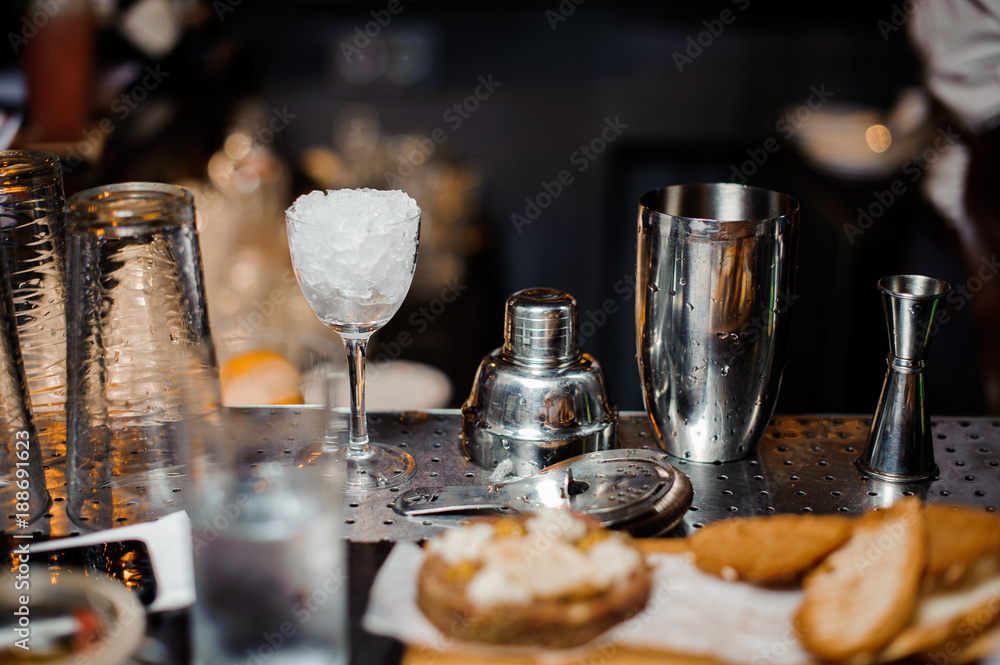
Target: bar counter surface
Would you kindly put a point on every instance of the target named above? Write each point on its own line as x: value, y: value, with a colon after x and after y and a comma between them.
x: 804, y: 463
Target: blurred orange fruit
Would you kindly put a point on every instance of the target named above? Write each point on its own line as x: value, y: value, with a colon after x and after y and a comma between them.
x: 260, y: 377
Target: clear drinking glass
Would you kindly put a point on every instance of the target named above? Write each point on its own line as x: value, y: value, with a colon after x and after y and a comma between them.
x: 23, y: 493
x: 33, y: 225
x: 141, y: 361
x: 355, y: 280
x: 269, y: 555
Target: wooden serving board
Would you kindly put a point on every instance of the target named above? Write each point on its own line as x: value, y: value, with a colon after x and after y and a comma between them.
x: 620, y: 656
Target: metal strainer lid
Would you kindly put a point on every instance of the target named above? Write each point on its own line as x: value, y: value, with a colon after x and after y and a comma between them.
x: 632, y: 489
x: 635, y: 490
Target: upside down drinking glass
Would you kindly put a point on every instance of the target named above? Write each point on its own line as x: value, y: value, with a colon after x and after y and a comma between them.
x: 32, y: 226
x: 141, y: 361
x: 354, y: 252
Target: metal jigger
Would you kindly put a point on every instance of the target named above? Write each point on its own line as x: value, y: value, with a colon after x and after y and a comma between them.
x: 899, y: 444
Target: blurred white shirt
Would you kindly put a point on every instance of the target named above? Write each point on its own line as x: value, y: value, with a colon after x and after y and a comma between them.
x: 959, y: 41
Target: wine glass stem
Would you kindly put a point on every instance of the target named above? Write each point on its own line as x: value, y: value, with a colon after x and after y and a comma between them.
x: 355, y: 348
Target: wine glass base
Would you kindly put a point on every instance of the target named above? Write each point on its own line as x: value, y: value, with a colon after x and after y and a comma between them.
x: 387, y: 467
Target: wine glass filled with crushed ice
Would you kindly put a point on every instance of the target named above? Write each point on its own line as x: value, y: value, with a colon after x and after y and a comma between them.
x: 354, y: 251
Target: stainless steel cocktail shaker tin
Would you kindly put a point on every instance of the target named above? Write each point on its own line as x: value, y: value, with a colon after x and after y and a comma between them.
x: 715, y: 272
x: 538, y: 399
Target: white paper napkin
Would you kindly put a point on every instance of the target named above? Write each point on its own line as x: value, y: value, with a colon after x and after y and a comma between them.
x: 168, y: 541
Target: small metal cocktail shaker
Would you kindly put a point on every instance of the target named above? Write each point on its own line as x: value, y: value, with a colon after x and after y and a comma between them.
x: 538, y: 399
x: 899, y: 444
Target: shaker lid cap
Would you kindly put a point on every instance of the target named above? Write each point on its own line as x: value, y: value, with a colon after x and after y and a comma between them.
x: 540, y: 327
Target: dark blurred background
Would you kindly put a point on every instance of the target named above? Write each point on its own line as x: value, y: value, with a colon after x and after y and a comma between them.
x: 476, y: 109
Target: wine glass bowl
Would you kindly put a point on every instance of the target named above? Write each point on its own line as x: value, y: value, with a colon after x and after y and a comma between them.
x: 354, y: 253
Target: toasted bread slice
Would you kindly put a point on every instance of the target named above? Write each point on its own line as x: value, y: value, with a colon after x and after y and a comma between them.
x: 970, y: 650
x: 960, y: 598
x: 542, y: 615
x: 863, y: 594
x: 958, y: 538
x: 768, y: 551
x: 948, y: 619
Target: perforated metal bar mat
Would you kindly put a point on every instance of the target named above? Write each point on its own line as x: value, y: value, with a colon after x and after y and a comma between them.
x: 803, y: 464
